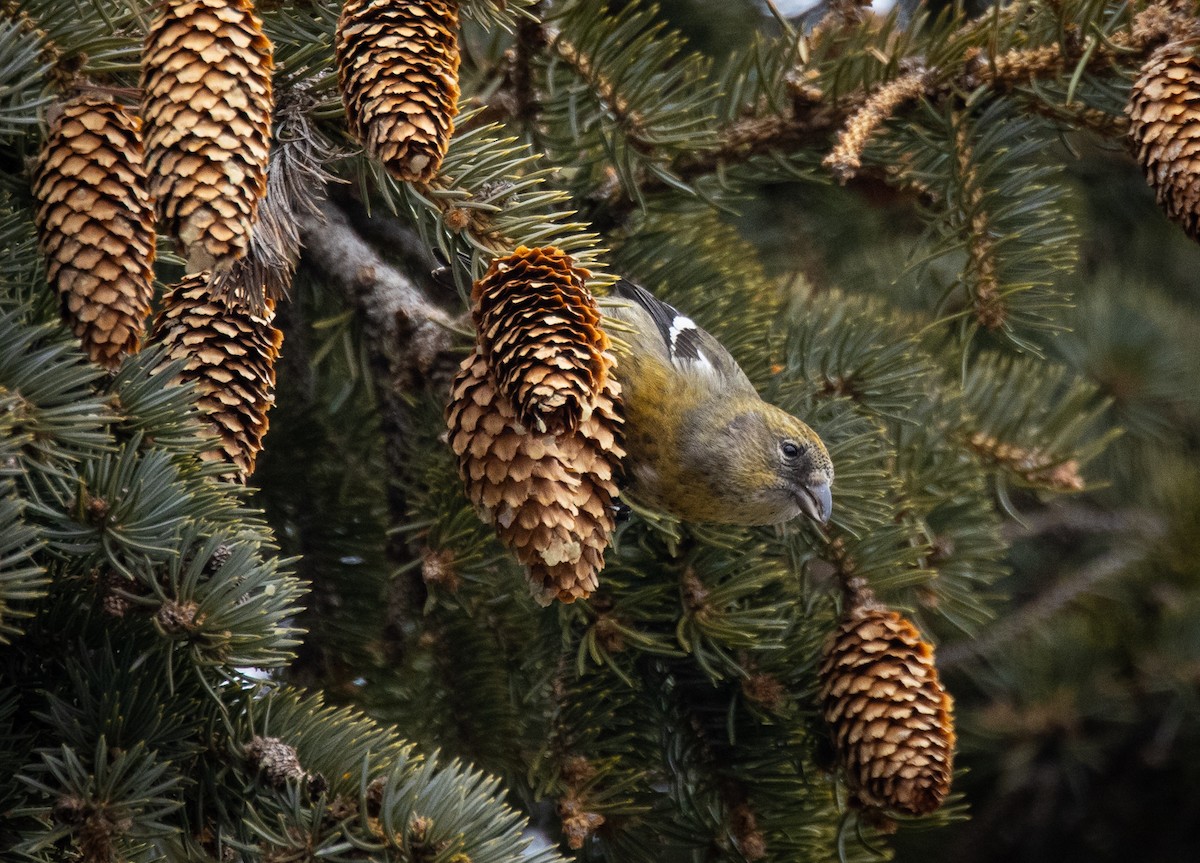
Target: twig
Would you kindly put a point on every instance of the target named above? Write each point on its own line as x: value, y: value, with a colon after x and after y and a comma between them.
x: 531, y: 39
x: 981, y: 254
x: 1032, y: 465
x: 517, y: 98
x: 846, y: 157
x: 628, y: 119
x: 1078, y: 116
x: 412, y: 333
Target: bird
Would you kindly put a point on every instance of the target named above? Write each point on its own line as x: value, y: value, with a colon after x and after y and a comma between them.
x: 702, y: 444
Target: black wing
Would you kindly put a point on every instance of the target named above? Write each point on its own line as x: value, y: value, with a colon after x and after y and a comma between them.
x: 679, y: 333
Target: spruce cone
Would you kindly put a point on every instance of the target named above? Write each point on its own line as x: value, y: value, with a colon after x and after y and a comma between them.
x: 888, y: 714
x: 398, y: 73
x: 549, y: 497
x: 540, y: 331
x: 96, y: 224
x: 230, y: 353
x: 206, y: 82
x: 1164, y: 126
x: 277, y: 760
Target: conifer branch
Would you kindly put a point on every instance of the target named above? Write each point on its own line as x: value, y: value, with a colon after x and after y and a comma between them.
x: 1032, y: 465
x: 813, y: 114
x: 61, y: 70
x: 628, y: 119
x: 846, y: 157
x: 410, y: 341
x: 981, y: 258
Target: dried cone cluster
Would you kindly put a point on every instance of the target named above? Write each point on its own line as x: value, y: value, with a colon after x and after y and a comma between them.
x: 96, y: 224
x: 887, y: 711
x: 548, y: 496
x: 229, y: 354
x: 398, y: 73
x: 1164, y: 126
x: 539, y: 329
x: 206, y: 82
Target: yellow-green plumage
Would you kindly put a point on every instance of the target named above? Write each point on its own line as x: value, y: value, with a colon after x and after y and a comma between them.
x: 702, y: 445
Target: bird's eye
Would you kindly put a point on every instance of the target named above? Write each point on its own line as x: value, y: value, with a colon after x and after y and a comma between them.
x: 790, y: 449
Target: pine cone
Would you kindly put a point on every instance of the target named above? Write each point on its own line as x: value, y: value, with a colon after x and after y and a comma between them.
x: 96, y: 225
x: 277, y: 760
x: 548, y: 496
x: 540, y: 332
x: 888, y: 714
x: 230, y: 356
x: 206, y: 82
x: 398, y: 73
x: 1164, y: 127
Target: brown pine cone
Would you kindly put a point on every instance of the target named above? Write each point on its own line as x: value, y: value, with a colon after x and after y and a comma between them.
x: 1164, y: 129
x: 540, y: 330
x: 888, y: 714
x: 206, y: 84
x: 230, y: 356
x: 398, y: 73
x: 549, y: 496
x: 96, y: 224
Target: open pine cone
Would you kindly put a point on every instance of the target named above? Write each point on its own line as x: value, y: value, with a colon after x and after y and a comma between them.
x: 1164, y: 129
x: 549, y: 496
x: 96, y: 224
x: 888, y: 714
x: 398, y: 73
x: 540, y: 330
x: 206, y: 82
x: 230, y: 355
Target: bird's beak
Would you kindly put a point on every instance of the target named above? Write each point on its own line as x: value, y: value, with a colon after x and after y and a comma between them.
x: 816, y: 502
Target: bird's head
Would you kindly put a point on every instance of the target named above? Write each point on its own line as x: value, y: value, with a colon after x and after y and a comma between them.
x: 802, y: 467
x: 775, y: 467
